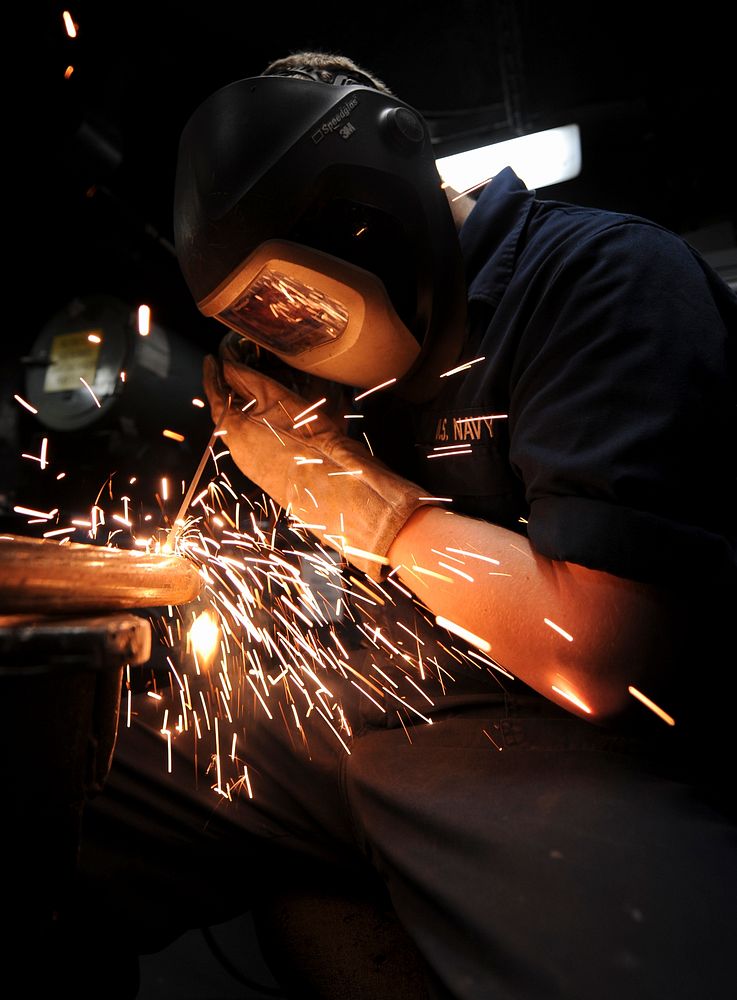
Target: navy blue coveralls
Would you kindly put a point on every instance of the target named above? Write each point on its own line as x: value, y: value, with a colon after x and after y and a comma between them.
x: 531, y: 855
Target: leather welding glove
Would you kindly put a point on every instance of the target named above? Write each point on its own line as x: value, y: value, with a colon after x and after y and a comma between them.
x: 320, y: 476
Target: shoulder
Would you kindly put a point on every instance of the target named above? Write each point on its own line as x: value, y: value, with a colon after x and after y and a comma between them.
x: 579, y: 250
x: 577, y: 231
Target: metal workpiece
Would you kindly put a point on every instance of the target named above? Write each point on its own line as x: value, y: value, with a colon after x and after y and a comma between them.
x: 41, y: 577
x: 69, y: 631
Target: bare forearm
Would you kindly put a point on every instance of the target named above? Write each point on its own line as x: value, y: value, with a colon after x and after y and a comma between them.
x: 578, y: 636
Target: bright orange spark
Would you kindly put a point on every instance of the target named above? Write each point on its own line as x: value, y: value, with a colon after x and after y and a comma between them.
x: 19, y: 399
x: 651, y: 705
x: 459, y: 630
x: 36, y: 513
x: 371, y: 556
x: 431, y: 572
x: 375, y: 388
x: 302, y: 423
x: 462, y: 368
x: 572, y: 698
x: 310, y: 408
x: 461, y: 449
x: 89, y: 389
x: 487, y: 416
x: 71, y: 27
x: 561, y: 631
x: 144, y: 320
x: 453, y: 569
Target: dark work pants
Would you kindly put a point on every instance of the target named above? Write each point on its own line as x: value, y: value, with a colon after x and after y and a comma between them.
x: 530, y: 855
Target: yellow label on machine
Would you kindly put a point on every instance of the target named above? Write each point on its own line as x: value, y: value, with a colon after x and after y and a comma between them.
x: 73, y: 356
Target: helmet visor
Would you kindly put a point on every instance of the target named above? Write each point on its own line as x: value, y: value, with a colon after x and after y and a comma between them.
x: 285, y: 313
x: 317, y: 313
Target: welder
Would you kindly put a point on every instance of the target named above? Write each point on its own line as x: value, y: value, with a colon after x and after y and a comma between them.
x: 545, y: 459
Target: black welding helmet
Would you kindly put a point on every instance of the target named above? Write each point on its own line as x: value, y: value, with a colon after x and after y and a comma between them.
x: 311, y: 219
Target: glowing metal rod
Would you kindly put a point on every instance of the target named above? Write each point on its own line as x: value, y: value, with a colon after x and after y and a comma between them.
x: 179, y: 520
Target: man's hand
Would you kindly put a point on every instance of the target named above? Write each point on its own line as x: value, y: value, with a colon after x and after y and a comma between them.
x: 323, y: 478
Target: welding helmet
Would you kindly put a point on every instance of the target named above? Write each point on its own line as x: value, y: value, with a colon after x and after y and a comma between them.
x: 310, y: 218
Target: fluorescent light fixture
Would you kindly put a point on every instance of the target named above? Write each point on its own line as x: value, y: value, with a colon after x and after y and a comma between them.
x: 539, y: 159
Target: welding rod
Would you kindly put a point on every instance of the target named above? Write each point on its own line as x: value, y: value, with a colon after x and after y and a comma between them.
x: 178, y: 524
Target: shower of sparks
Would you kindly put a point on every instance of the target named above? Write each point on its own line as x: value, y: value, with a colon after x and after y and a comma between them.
x: 268, y: 638
x: 558, y: 629
x: 275, y: 606
x: 174, y: 435
x: 651, y: 705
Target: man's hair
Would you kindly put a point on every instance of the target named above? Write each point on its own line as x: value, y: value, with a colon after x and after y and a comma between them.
x: 324, y: 67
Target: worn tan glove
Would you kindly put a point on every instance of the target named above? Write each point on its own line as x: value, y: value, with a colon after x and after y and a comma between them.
x: 319, y: 475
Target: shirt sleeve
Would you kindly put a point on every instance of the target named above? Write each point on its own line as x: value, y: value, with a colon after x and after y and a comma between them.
x: 622, y: 414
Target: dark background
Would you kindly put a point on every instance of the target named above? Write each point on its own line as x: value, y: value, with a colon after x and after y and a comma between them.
x: 90, y: 164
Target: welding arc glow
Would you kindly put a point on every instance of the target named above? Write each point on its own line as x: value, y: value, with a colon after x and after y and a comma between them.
x: 259, y: 641
x: 205, y: 636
